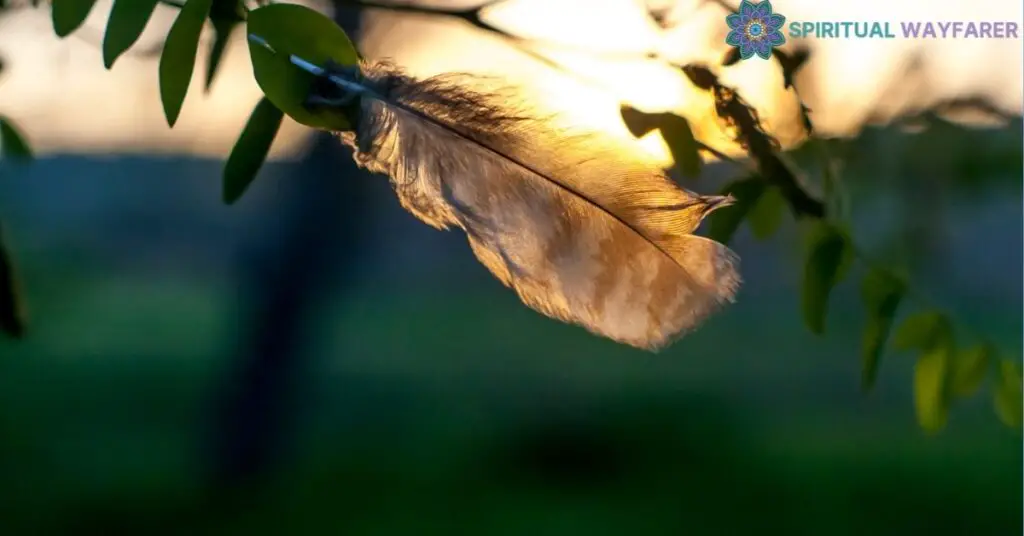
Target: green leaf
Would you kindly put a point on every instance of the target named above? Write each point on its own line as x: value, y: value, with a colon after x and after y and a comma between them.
x: 68, y: 15
x: 11, y: 318
x: 678, y: 135
x: 969, y: 369
x: 724, y: 222
x: 923, y: 331
x: 225, y: 16
x: 1007, y: 394
x: 128, y: 19
x: 294, y: 29
x: 829, y: 248
x: 881, y: 293
x: 931, y: 399
x: 766, y: 214
x: 12, y: 142
x: 178, y: 59
x: 251, y: 149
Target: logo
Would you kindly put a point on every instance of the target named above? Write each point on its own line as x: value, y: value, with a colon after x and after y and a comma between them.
x: 755, y: 30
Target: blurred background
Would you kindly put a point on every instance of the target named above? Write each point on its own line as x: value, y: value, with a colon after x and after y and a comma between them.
x: 314, y: 360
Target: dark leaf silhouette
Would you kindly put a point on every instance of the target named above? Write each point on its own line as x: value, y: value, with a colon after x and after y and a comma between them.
x: 638, y: 123
x: 68, y: 15
x: 177, y: 62
x: 828, y: 251
x: 881, y: 293
x: 127, y: 20
x: 678, y: 135
x: 676, y: 132
x: 251, y: 149
x: 791, y: 63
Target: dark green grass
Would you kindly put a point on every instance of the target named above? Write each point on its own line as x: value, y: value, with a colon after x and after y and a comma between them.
x: 461, y: 412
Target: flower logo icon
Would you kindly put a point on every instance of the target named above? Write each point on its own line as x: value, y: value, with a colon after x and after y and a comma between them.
x: 755, y: 29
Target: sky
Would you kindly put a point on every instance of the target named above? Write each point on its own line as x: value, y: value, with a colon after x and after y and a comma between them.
x: 65, y: 101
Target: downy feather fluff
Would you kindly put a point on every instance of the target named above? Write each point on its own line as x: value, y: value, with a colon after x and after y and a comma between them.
x: 580, y: 229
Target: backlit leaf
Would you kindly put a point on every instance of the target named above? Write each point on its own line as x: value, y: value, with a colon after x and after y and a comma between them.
x: 294, y: 29
x: 178, y: 60
x: 724, y: 222
x: 828, y: 251
x: 637, y: 122
x: 922, y: 331
x: 251, y: 149
x: 881, y: 293
x: 68, y: 15
x: 1007, y: 394
x: 678, y: 135
x: 970, y: 367
x: 931, y: 400
x: 128, y: 19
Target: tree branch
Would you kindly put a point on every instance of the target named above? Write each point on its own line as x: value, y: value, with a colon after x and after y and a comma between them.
x: 760, y: 145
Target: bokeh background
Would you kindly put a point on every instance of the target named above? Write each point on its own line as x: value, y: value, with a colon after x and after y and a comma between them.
x: 313, y: 360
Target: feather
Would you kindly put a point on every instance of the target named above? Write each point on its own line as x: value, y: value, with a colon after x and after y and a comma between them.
x: 580, y: 228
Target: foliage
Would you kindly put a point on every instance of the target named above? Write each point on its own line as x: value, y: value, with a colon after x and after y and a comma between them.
x: 768, y: 186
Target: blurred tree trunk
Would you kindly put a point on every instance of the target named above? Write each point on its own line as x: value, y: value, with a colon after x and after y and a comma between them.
x: 319, y: 241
